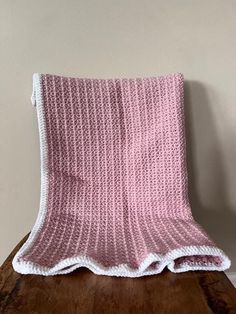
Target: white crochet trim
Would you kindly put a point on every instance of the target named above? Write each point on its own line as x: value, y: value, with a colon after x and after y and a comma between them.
x: 70, y: 264
x: 123, y: 270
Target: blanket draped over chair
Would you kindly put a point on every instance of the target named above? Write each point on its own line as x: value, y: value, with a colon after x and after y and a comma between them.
x: 114, y: 185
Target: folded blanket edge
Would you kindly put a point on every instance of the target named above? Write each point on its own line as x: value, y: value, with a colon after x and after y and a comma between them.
x: 123, y: 270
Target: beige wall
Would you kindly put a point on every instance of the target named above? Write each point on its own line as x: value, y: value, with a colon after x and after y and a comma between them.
x: 122, y: 38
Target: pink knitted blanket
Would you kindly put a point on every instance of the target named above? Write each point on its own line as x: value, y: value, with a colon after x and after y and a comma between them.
x: 114, y: 194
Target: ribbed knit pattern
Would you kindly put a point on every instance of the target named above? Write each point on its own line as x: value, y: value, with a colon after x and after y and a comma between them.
x: 114, y: 167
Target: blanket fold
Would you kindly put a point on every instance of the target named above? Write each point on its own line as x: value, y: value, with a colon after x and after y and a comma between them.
x: 114, y: 186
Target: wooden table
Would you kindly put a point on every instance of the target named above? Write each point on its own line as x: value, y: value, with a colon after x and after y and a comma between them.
x: 83, y: 292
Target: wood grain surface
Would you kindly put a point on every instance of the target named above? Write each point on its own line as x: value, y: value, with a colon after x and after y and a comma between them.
x: 83, y: 292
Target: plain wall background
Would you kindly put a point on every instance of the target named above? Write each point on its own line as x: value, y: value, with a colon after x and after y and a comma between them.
x: 126, y: 38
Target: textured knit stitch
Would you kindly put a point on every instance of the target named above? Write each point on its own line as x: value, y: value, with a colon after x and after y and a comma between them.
x: 114, y: 194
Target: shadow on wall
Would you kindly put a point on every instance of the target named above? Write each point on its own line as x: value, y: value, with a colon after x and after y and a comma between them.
x: 207, y: 188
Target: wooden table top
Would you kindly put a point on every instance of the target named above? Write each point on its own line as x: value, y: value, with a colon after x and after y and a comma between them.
x: 84, y: 292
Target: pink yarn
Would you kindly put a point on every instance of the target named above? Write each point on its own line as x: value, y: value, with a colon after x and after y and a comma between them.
x: 114, y: 166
